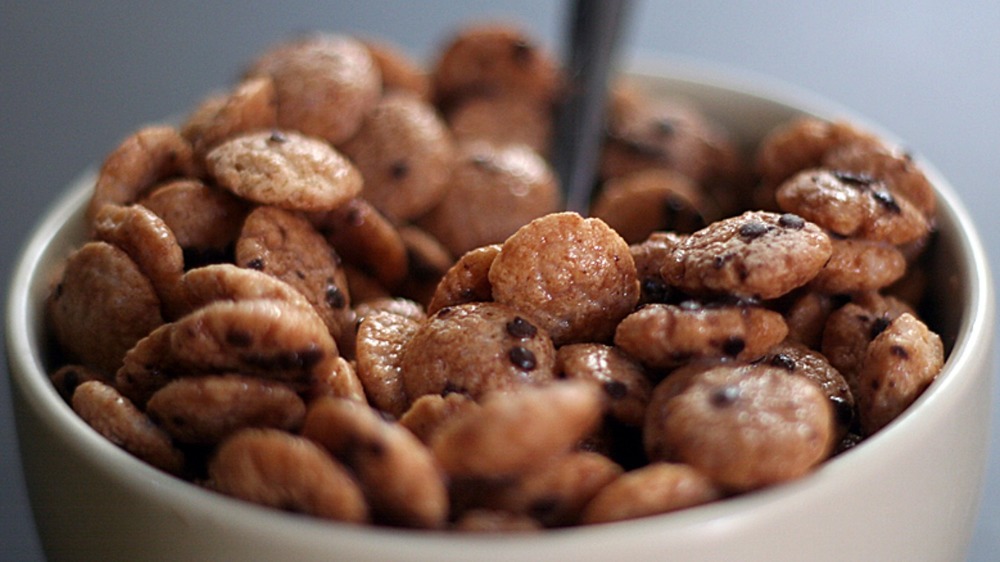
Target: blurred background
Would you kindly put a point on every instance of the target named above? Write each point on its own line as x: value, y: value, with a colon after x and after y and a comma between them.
x: 76, y: 77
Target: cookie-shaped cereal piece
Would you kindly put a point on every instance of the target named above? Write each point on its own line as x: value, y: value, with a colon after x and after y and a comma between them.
x: 659, y: 487
x: 467, y: 280
x: 251, y: 106
x: 428, y: 261
x: 325, y: 84
x: 806, y: 317
x: 65, y: 379
x: 757, y: 254
x: 503, y: 119
x: 120, y: 422
x: 897, y: 168
x: 641, y: 203
x: 503, y: 186
x: 336, y: 377
x: 850, y: 329
x: 575, y: 277
x: 400, y: 477
x: 515, y: 432
x: 206, y: 410
x: 396, y: 305
x: 744, y: 427
x: 365, y: 238
x: 899, y: 364
x: 510, y: 352
x: 667, y: 335
x: 649, y: 256
x: 381, y: 341
x: 857, y: 265
x: 852, y: 205
x: 276, y: 469
x: 228, y: 282
x: 399, y: 72
x: 285, y: 169
x: 621, y: 377
x: 102, y: 306
x: 495, y: 59
x: 404, y: 153
x: 148, y: 156
x: 431, y: 411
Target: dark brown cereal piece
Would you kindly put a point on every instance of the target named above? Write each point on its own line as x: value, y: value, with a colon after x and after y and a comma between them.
x: 743, y: 427
x: 495, y: 521
x: 621, y: 377
x: 895, y: 167
x: 396, y: 305
x: 510, y: 352
x: 503, y: 119
x: 276, y: 469
x: 757, y: 254
x: 405, y: 154
x: 430, y: 411
x: 119, y: 421
x: 65, y: 379
x: 857, y: 265
x: 641, y: 203
x: 399, y: 72
x: 852, y: 205
x: 899, y: 364
x: 573, y: 276
x: 286, y: 169
x: 207, y: 409
x: 366, y: 238
x: 649, y: 256
x: 659, y: 487
x: 467, y: 280
x: 228, y: 282
x: 147, y: 157
x: 325, y: 84
x: 102, y: 306
x: 515, y: 432
x: 850, y: 329
x: 337, y: 377
x: 666, y: 335
x: 398, y: 473
x: 252, y: 105
x: 381, y: 341
x: 506, y: 186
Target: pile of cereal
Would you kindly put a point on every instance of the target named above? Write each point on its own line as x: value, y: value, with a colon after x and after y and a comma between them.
x: 344, y: 288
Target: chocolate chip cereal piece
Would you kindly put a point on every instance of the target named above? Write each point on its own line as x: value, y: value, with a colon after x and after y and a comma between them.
x: 575, y: 277
x: 336, y: 377
x: 850, y: 329
x: 431, y: 411
x: 428, y: 262
x: 649, y: 256
x: 503, y: 119
x: 120, y: 422
x: 276, y: 469
x: 495, y: 521
x: 506, y: 186
x: 148, y: 156
x: 666, y: 335
x: 622, y: 378
x: 859, y: 265
x: 895, y: 167
x: 381, y: 341
x: 659, y: 487
x: 514, y: 432
x: 102, y: 306
x: 743, y: 427
x: 405, y: 154
x: 396, y: 305
x: 228, y: 282
x: 757, y: 254
x: 640, y: 203
x: 899, y: 364
x: 510, y: 352
x: 251, y: 106
x: 806, y: 317
x: 325, y: 84
x: 399, y: 476
x: 366, y: 238
x: 467, y: 280
x: 65, y: 379
x: 286, y: 169
x: 399, y: 72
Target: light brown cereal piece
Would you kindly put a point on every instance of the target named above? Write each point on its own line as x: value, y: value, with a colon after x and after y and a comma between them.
x: 660, y: 487
x: 207, y: 409
x: 396, y: 305
x: 400, y: 477
x: 621, y: 377
x: 495, y: 58
x: 337, y: 377
x: 252, y: 105
x: 638, y: 204
x: 857, y: 265
x: 428, y: 261
x: 895, y: 167
x: 575, y: 277
x: 399, y: 72
x: 510, y: 351
x: 744, y: 427
x: 756, y: 254
x: 228, y: 282
x: 362, y: 286
x: 806, y: 317
x: 899, y: 364
x: 147, y: 157
x: 381, y: 342
x: 505, y: 186
x: 325, y: 84
x: 852, y: 205
x: 649, y: 256
x: 102, y: 306
x: 494, y: 521
x: 503, y: 119
x: 366, y: 238
x: 666, y: 335
x: 65, y: 379
x: 151, y: 245
x: 430, y: 411
x: 514, y: 432
x: 850, y: 329
x: 119, y: 421
x: 286, y: 169
x: 139, y: 375
x: 467, y: 280
x: 276, y: 469
x: 285, y: 245
x: 405, y: 154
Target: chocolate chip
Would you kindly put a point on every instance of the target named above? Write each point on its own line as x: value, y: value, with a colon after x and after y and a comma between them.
x: 399, y: 169
x: 900, y: 351
x: 278, y: 137
x: 791, y: 220
x: 664, y: 126
x: 886, y: 199
x: 783, y: 361
x: 615, y: 389
x: 850, y: 178
x: 724, y: 396
x: 522, y: 51
x: 521, y: 328
x: 753, y: 229
x: 334, y: 296
x: 522, y: 358
x: 256, y: 263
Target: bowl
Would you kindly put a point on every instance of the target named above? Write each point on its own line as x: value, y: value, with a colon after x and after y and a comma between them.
x: 910, y: 492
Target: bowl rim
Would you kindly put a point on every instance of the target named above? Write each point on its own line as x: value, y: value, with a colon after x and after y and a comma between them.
x: 27, y: 371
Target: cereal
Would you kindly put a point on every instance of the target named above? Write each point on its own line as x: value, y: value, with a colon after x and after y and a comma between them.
x: 495, y: 521
x: 622, y: 378
x: 251, y: 106
x: 467, y: 280
x: 857, y: 266
x: 850, y: 329
x: 428, y: 262
x: 889, y: 164
x: 337, y: 377
x: 625, y: 203
x: 228, y: 282
x: 399, y: 72
x: 366, y: 238
x: 503, y: 119
x: 381, y: 341
x: 396, y: 305
x: 66, y: 378
x: 660, y: 487
x: 431, y: 411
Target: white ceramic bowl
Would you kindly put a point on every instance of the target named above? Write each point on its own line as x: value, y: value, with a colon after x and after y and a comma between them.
x: 908, y: 493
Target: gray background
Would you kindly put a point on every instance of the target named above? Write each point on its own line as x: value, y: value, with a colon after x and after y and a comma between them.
x: 75, y: 77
